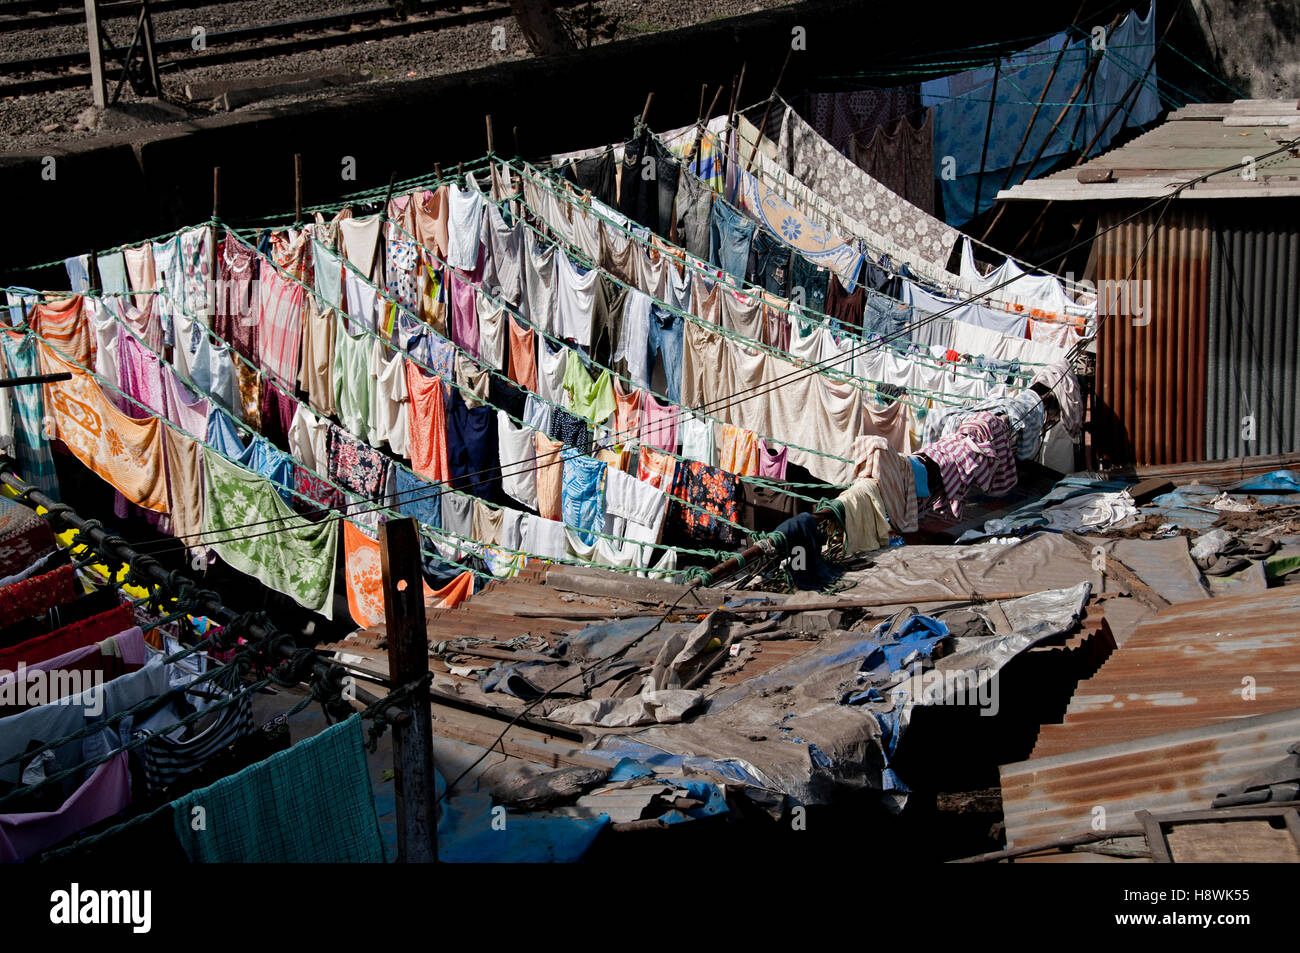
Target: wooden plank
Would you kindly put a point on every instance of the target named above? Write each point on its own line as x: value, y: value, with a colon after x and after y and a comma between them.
x: 1122, y: 574
x: 408, y: 661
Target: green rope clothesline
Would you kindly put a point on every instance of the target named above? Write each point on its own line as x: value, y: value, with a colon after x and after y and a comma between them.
x: 440, y: 532
x: 804, y: 315
x: 383, y: 293
x: 857, y: 229
x: 383, y: 508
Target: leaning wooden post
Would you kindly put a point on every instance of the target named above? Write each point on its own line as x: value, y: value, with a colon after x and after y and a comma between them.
x: 408, y: 661
x: 95, y: 39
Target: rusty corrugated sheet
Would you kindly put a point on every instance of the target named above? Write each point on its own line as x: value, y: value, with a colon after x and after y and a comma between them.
x: 1151, y: 368
x: 1045, y: 798
x: 1184, y: 668
x: 1254, y: 333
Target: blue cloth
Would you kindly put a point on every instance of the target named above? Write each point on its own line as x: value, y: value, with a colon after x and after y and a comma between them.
x: 920, y: 633
x: 730, y: 237
x: 666, y: 330
x: 223, y: 435
x: 31, y: 448
x: 887, y: 317
x: 310, y: 804
x: 472, y: 448
x: 112, y: 274
x: 78, y: 269
x: 1279, y: 481
x: 922, y: 479
x: 582, y: 497
x: 417, y: 497
x: 468, y: 832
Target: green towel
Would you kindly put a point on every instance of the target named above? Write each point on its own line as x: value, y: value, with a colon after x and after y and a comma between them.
x: 310, y: 804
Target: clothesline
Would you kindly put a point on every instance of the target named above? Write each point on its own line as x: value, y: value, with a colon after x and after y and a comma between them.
x: 807, y: 315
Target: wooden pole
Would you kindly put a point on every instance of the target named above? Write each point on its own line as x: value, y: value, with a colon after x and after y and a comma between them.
x: 487, y: 120
x: 767, y: 110
x: 408, y: 661
x: 1033, y: 117
x: 297, y: 188
x: 94, y: 38
x: 150, y: 57
x: 645, y: 112
x: 988, y: 129
x: 213, y: 270
x: 383, y: 217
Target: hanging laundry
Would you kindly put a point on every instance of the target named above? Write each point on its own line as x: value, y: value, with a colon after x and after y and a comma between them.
x: 472, y: 448
x: 424, y: 214
x: 464, y: 313
x: 417, y: 498
x: 126, y: 453
x: 359, y: 241
x: 64, y: 326
x: 866, y: 526
x: 296, y: 557
x: 352, y: 378
x: 186, y: 410
x: 771, y: 463
x: 591, y: 400
x: 279, y: 321
x: 33, y: 596
x: 518, y: 460
x: 738, y: 451
x: 583, y: 494
x: 550, y: 477
x: 894, y: 479
x: 730, y: 238
x: 354, y: 466
x: 697, y: 438
x: 473, y: 383
x: 658, y: 424
x: 389, y: 412
x: 491, y: 331
x: 364, y: 577
x: 502, y: 243
x: 185, y: 490
x: 522, y: 355
x: 575, y: 299
x: 236, y: 316
x: 427, y: 425
x: 715, y: 495
x: 900, y: 156
x: 464, y: 226
x: 139, y: 378
x: 316, y: 375
x: 656, y: 468
x: 802, y: 234
x: 257, y: 815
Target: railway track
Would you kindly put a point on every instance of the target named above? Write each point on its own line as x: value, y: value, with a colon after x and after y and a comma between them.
x: 72, y: 70
x: 19, y: 15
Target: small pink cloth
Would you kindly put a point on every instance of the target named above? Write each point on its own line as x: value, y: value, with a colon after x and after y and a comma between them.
x: 106, y: 792
x: 659, y: 424
x: 771, y: 466
x: 464, y: 316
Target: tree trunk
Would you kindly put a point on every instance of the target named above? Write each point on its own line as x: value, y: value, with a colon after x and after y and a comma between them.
x: 541, y: 27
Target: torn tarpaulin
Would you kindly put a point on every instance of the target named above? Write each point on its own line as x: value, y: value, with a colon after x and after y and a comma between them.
x: 789, y: 730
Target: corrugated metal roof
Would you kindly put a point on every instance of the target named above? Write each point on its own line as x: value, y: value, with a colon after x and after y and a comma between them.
x: 1046, y: 798
x: 1192, y: 141
x: 1153, y: 271
x: 1184, y: 668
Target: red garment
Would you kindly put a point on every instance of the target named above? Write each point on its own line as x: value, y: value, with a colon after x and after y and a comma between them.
x: 31, y: 597
x: 70, y: 637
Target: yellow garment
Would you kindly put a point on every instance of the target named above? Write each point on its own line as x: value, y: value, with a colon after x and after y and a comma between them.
x: 865, y: 525
x: 126, y: 452
x: 738, y: 452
